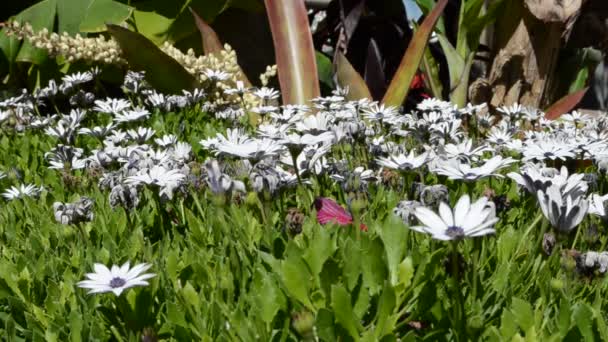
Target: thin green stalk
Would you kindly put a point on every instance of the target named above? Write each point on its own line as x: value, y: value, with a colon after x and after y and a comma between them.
x: 459, y: 309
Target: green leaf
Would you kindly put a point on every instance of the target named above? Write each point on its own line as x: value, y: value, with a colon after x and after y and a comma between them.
x: 176, y: 315
x: 152, y: 25
x: 76, y: 324
x: 349, y: 77
x: 102, y: 12
x: 268, y: 298
x: 322, y: 245
x: 582, y: 316
x: 296, y: 278
x: 393, y: 235
x: 324, y: 323
x: 455, y: 61
x: 162, y: 72
x: 580, y: 81
x: 343, y: 310
x: 352, y: 256
x: 385, y: 319
x: 294, y: 51
x: 406, y: 272
x: 324, y: 67
x: 523, y: 313
x: 172, y: 264
x: 373, y: 265
x: 400, y: 84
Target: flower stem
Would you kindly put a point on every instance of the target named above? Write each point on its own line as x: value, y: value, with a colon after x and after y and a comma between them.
x: 459, y: 309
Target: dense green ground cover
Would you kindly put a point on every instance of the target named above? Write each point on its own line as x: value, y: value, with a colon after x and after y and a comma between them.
x: 256, y: 265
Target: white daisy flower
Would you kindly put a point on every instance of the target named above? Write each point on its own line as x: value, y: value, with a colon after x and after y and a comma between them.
x: 546, y: 149
x: 464, y: 151
x: 465, y: 220
x: 136, y: 114
x: 596, y: 204
x: 22, y: 191
x: 215, y: 75
x: 157, y: 175
x: 99, y: 132
x: 454, y: 169
x: 404, y: 162
x: 563, y: 212
x: 380, y: 113
x: 111, y: 106
x: 266, y: 94
x: 116, y: 279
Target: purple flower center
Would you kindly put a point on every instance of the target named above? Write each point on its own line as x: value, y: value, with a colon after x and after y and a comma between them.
x: 455, y: 232
x: 117, y: 282
x: 470, y: 176
x: 407, y: 166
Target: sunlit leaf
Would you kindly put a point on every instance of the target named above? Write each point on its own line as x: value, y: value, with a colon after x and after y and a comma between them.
x: 294, y: 50
x: 399, y: 87
x: 565, y: 104
x: 162, y: 72
x: 349, y: 77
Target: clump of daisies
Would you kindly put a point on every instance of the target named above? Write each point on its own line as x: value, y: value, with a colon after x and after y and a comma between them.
x: 74, y: 213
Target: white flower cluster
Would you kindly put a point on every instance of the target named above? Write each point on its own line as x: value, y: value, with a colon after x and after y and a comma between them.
x: 96, y: 49
x: 300, y: 144
x: 108, y: 51
x: 74, y: 213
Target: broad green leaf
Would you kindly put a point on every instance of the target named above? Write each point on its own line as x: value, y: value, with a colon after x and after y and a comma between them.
x: 176, y: 314
x: 580, y: 81
x: 343, y: 310
x: 294, y: 51
x: 399, y: 87
x: 385, y: 318
x: 406, y: 272
x: 352, y: 256
x: 268, y: 298
x: 393, y: 235
x: 152, y: 25
x: 297, y: 279
x: 455, y: 61
x: 324, y: 323
x: 99, y: 13
x: 172, y: 264
x: 162, y: 72
x: 321, y: 246
x: 508, y: 324
x: 76, y: 325
x: 582, y: 315
x: 523, y: 312
x: 565, y: 104
x: 324, y: 67
x: 349, y: 77
x: 373, y: 265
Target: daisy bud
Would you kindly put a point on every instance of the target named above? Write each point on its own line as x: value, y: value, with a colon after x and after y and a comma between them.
x: 303, y: 322
x: 294, y: 221
x: 548, y: 243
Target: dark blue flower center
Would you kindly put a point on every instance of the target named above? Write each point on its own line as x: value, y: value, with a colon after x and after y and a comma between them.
x: 455, y: 232
x: 117, y: 282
